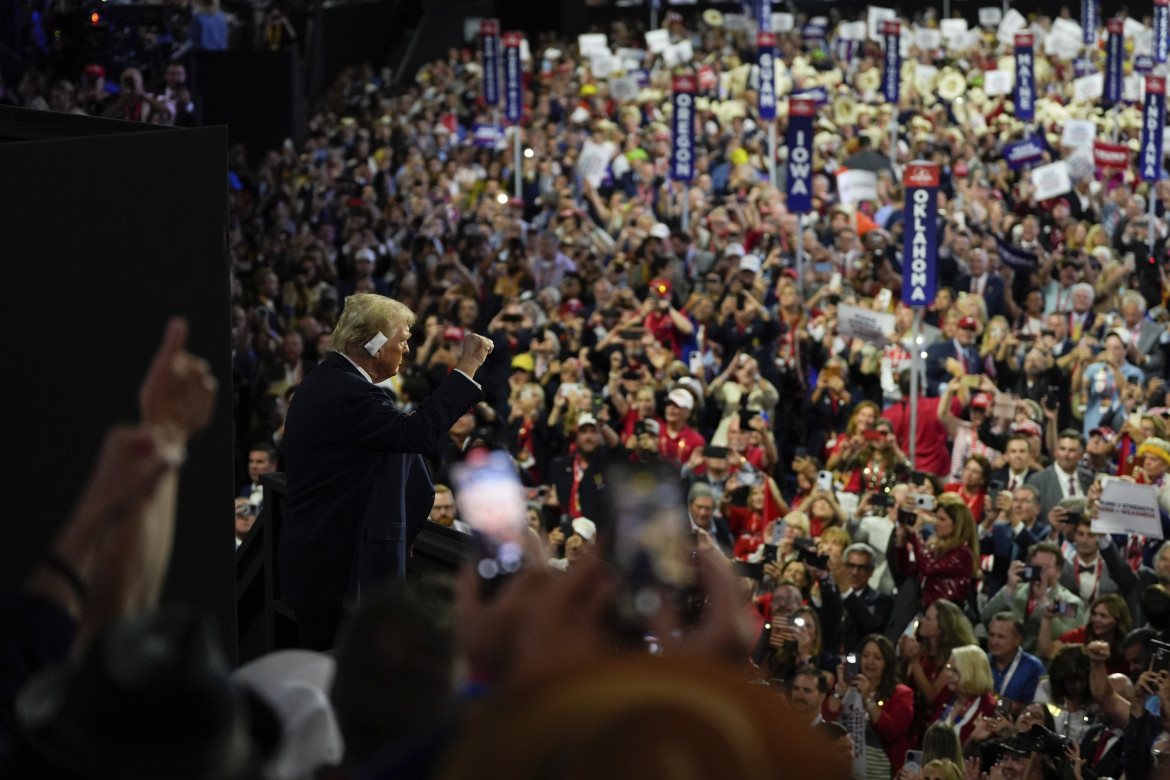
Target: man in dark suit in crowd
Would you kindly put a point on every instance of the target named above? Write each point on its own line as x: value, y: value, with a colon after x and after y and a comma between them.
x: 1015, y: 530
x: 865, y: 610
x: 358, y: 488
x: 982, y: 284
x: 1065, y: 478
x: 948, y: 359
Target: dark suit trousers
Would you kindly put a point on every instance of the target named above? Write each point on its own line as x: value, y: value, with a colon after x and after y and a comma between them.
x: 317, y: 628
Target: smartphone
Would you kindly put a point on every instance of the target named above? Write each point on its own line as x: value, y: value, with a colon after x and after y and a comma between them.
x: 994, y: 487
x: 883, y: 500
x: 695, y: 363
x: 913, y: 761
x: 1064, y: 608
x: 748, y: 478
x: 800, y: 452
x: 630, y: 334
x: 1133, y: 380
x: 753, y: 571
x: 1033, y: 574
x: 907, y: 516
x: 924, y: 501
x: 872, y: 435
x: 912, y: 628
x: 491, y: 501
x: 835, y: 281
x: 739, y: 300
x: 852, y: 666
x: 1026, y: 337
x: 651, y: 544
x: 970, y: 380
x: 825, y: 480
x: 598, y: 402
x: 771, y: 552
x: 1160, y: 658
x: 810, y: 557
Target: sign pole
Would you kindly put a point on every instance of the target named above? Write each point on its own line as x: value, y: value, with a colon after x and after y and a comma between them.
x: 1150, y: 155
x: 799, y: 256
x: 518, y: 164
x: 920, y: 274
x: 686, y: 208
x: 489, y: 31
x: 513, y: 100
x: 772, y: 154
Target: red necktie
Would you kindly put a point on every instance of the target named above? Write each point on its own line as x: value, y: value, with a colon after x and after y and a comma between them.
x: 1012, y: 485
x: 1072, y: 486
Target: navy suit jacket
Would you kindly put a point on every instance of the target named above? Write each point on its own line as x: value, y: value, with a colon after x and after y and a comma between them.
x: 358, y: 488
x: 936, y: 368
x: 993, y: 293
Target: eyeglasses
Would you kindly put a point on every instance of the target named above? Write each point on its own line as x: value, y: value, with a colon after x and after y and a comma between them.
x: 858, y: 566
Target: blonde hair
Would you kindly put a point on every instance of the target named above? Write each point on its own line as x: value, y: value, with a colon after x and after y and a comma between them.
x: 974, y: 670
x: 836, y: 534
x: 948, y: 769
x: 366, y: 314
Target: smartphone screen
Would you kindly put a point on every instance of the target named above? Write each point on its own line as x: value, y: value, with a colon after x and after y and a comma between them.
x: 852, y: 666
x: 825, y: 480
x: 492, y: 501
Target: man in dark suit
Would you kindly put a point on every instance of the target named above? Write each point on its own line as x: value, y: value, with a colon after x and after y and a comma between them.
x: 358, y: 488
x: 982, y: 284
x: 948, y: 359
x: 863, y: 610
x: 701, y: 504
x: 1015, y: 530
x: 1064, y: 478
x: 1018, y: 454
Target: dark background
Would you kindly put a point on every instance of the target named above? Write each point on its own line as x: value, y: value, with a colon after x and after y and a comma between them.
x: 110, y: 229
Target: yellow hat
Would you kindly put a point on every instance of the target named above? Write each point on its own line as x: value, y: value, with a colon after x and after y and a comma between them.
x: 588, y: 89
x: 739, y: 157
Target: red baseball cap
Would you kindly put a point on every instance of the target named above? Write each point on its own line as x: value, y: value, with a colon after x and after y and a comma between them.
x: 969, y: 322
x: 451, y: 333
x: 981, y: 399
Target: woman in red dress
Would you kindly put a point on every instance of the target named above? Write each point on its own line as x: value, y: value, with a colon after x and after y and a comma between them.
x: 948, y: 563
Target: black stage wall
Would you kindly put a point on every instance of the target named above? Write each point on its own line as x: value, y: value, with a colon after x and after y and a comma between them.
x: 257, y: 94
x: 109, y: 229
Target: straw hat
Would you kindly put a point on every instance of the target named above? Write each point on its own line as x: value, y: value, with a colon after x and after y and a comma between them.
x: 713, y: 18
x: 951, y: 84
x: 845, y: 110
x: 869, y: 80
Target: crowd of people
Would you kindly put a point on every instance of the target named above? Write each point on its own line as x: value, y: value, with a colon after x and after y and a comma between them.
x: 960, y: 603
x: 951, y: 614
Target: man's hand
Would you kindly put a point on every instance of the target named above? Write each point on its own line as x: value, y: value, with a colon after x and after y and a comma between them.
x: 476, y: 348
x: 178, y: 393
x: 1014, y: 576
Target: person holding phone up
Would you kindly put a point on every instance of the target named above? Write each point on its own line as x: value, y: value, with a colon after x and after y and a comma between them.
x: 947, y: 564
x: 878, y: 711
x: 1029, y: 590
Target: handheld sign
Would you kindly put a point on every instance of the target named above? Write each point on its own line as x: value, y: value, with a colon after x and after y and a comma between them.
x: 801, y: 111
x: 1025, y: 97
x: 1161, y: 30
x: 682, y: 157
x: 1153, y: 120
x: 766, y: 53
x: 763, y: 11
x: 920, y: 248
x: 1113, y: 67
x: 513, y: 108
x: 489, y: 32
x: 892, y: 73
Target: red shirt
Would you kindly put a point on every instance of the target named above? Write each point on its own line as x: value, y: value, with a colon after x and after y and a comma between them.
x: 931, y: 454
x: 662, y: 326
x: 678, y: 448
x: 943, y: 575
x: 974, y: 501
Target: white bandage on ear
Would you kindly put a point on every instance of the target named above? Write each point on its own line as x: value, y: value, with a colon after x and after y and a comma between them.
x: 375, y: 344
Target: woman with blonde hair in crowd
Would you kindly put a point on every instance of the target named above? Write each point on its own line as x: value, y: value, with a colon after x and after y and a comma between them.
x: 969, y: 691
x: 925, y: 651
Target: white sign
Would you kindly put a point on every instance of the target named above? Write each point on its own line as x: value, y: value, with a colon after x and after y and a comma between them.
x: 525, y: 52
x: 594, y: 161
x: 592, y: 42
x: 997, y: 82
x: 856, y: 186
x: 1089, y: 87
x: 679, y: 53
x: 924, y: 76
x: 1012, y: 22
x: 735, y: 22
x: 603, y: 65
x: 1133, y: 88
x: 631, y: 58
x: 781, y: 22
x: 657, y: 41
x: 989, y: 17
x: 953, y: 29
x: 1081, y: 164
x: 1133, y: 28
x: 851, y: 31
x: 1062, y: 45
x: 1004, y: 406
x: 1051, y: 180
x: 1061, y: 26
x: 874, y: 17
x: 1078, y: 133
x: 854, y: 322
x: 927, y: 38
x: 624, y: 88
x: 1128, y: 508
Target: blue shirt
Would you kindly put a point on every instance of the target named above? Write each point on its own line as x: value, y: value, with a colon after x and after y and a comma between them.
x: 1023, y: 682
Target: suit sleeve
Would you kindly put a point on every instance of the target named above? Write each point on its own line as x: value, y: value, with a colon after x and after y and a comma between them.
x: 997, y: 603
x: 830, y: 613
x: 871, y: 618
x: 372, y: 421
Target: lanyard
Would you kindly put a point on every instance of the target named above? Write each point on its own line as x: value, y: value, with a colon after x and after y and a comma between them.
x: 1011, y: 671
x: 970, y: 713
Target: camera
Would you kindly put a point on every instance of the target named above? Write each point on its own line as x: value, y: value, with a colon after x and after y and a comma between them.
x: 924, y: 501
x: 1040, y: 740
x: 806, y: 553
x: 883, y: 500
x: 1064, y: 608
x: 1033, y: 574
